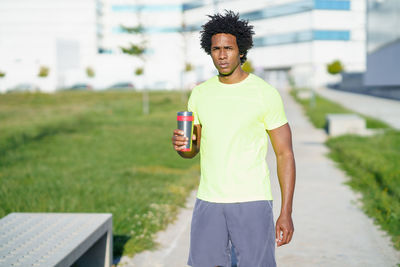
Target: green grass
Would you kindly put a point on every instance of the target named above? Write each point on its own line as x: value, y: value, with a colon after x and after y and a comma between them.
x: 95, y: 152
x: 372, y: 164
x: 323, y: 106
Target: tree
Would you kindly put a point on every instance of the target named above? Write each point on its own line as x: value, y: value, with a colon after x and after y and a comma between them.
x: 188, y: 67
x: 248, y: 67
x: 335, y: 67
x: 138, y: 50
x: 2, y: 74
x: 43, y: 72
x: 90, y: 72
x: 139, y: 71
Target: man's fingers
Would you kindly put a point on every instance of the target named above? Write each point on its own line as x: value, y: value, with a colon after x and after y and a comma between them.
x: 285, y: 236
x: 178, y: 148
x: 193, y: 137
x: 180, y: 143
x: 177, y: 138
x: 290, y: 237
x: 277, y: 233
x: 178, y: 132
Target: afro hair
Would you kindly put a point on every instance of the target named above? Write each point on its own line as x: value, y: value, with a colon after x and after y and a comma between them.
x: 228, y: 23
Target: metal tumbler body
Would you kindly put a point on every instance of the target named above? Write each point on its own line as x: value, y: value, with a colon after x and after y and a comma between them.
x: 185, y: 123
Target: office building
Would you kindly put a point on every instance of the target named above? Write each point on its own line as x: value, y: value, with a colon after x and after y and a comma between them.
x: 69, y: 36
x: 58, y: 35
x: 383, y: 45
x: 162, y: 62
x: 295, y: 39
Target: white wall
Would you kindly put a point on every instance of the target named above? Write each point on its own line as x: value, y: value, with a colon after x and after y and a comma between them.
x: 29, y: 31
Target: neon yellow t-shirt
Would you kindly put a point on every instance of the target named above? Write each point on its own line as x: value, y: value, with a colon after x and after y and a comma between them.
x: 234, y: 140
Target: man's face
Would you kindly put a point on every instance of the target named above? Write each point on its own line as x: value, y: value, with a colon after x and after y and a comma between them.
x: 225, y: 53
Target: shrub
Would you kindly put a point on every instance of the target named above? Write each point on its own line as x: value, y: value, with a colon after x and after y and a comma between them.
x: 335, y: 67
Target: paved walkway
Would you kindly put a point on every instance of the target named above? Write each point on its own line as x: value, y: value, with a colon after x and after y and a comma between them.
x: 330, y: 228
x: 383, y: 109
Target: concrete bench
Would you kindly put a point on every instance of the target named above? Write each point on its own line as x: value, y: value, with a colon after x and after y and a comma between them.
x: 338, y: 124
x: 56, y: 239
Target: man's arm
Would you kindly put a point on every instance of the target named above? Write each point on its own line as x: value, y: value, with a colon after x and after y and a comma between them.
x: 179, y: 141
x: 281, y: 140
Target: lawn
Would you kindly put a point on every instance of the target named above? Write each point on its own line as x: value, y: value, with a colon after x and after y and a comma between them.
x: 372, y: 164
x: 317, y: 111
x: 95, y: 152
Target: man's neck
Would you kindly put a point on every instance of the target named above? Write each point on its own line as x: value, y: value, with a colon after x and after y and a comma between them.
x: 235, y: 77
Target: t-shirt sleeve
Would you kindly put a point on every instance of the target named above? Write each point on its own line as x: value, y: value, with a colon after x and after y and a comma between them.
x: 274, y: 115
x: 192, y: 106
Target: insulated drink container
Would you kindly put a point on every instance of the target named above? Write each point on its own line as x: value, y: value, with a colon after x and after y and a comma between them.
x: 185, y: 123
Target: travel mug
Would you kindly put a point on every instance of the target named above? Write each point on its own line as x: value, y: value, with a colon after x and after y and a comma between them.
x: 185, y: 123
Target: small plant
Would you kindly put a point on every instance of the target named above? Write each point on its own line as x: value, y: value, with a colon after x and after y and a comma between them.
x: 248, y: 67
x: 139, y: 71
x: 188, y: 67
x: 90, y: 72
x: 2, y: 74
x: 43, y: 72
x: 335, y: 67
x: 134, y: 50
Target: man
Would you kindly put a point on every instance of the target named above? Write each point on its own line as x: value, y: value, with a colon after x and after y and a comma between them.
x: 234, y: 114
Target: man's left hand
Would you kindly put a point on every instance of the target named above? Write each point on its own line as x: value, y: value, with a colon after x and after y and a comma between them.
x: 284, y: 230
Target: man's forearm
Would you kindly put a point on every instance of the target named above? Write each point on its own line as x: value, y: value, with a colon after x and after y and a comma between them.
x: 287, y: 176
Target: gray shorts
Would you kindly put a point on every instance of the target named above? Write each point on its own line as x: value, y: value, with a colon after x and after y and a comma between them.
x: 248, y: 226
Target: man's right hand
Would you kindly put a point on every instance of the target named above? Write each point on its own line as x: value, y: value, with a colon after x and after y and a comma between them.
x: 179, y: 141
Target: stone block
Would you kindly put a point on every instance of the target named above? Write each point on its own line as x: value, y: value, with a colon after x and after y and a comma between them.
x: 56, y: 239
x: 304, y: 94
x: 338, y: 124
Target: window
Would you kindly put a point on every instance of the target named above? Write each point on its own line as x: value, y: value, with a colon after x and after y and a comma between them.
x: 302, y: 36
x: 332, y: 4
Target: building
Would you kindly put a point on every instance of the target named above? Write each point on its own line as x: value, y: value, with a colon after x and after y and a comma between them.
x: 69, y: 36
x: 295, y: 39
x: 161, y: 34
x: 59, y: 35
x: 383, y: 45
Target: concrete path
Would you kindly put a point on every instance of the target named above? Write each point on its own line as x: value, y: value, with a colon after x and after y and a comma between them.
x: 173, y: 243
x: 383, y: 109
x: 330, y: 228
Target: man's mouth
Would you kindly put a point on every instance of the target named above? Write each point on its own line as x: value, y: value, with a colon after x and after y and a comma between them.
x: 223, y: 65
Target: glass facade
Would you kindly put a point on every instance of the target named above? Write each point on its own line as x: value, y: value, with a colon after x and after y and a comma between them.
x: 285, y: 9
x: 280, y: 10
x: 332, y: 4
x: 294, y: 7
x: 303, y: 36
x: 192, y: 5
x: 331, y: 35
x: 146, y: 8
x: 118, y: 29
x: 382, y: 23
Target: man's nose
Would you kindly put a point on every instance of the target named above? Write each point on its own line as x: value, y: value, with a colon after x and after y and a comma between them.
x: 222, y: 54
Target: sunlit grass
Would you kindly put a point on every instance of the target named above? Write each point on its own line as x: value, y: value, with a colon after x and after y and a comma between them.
x: 317, y: 109
x: 372, y: 164
x: 95, y: 152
